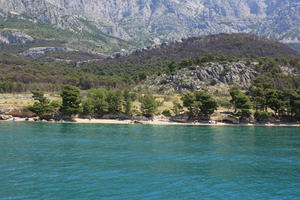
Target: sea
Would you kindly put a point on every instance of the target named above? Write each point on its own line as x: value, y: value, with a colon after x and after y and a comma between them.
x: 59, y: 161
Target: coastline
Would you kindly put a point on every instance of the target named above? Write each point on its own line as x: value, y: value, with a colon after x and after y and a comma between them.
x: 158, y: 122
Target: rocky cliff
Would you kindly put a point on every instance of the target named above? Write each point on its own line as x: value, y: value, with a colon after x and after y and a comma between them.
x: 151, y: 21
x: 212, y: 75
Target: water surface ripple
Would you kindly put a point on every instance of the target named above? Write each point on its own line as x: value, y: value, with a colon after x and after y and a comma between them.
x: 114, y: 162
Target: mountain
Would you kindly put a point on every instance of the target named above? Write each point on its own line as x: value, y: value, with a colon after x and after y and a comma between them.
x: 46, y: 34
x: 144, y: 22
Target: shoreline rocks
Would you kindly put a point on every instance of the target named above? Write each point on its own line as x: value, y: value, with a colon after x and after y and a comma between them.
x: 5, y: 117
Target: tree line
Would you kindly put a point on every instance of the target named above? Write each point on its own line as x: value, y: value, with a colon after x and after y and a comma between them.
x: 96, y: 104
x: 258, y: 102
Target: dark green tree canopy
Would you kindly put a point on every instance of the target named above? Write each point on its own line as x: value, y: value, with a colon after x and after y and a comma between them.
x: 241, y: 103
x: 43, y: 107
x: 149, y: 105
x: 71, y: 101
x: 200, y: 104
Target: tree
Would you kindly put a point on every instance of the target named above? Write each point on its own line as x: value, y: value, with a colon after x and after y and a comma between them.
x: 257, y: 96
x: 241, y: 104
x: 114, y: 100
x: 129, y: 97
x: 274, y: 100
x: 205, y: 103
x: 148, y: 105
x: 177, y: 108
x: 188, y: 99
x: 98, y: 98
x: 293, y: 104
x: 296, y: 105
x: 262, y: 116
x: 200, y: 104
x: 43, y: 107
x: 88, y: 108
x: 70, y: 101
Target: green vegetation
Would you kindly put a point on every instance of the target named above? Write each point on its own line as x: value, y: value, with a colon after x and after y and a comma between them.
x: 222, y: 48
x: 100, y: 102
x: 200, y: 104
x: 136, y: 69
x: 274, y: 93
x: 129, y: 98
x: 148, y: 105
x: 177, y: 108
x: 285, y: 104
x: 241, y: 104
x: 262, y: 116
x: 266, y: 104
x: 43, y: 107
x: 70, y: 101
x: 21, y: 75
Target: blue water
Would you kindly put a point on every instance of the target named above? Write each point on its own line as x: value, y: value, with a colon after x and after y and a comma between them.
x: 93, y: 161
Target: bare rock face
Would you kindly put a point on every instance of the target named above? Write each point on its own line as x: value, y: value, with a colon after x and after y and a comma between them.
x: 155, y: 20
x: 15, y: 37
x: 40, y: 51
x: 228, y: 74
x: 202, y: 76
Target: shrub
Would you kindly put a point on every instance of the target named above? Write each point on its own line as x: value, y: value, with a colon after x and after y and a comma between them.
x: 166, y: 113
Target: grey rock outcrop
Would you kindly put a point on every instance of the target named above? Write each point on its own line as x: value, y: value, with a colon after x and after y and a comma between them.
x: 15, y: 37
x: 202, y: 76
x: 40, y: 51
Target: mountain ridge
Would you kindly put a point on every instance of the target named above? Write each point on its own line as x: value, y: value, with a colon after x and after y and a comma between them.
x: 155, y: 58
x: 153, y: 21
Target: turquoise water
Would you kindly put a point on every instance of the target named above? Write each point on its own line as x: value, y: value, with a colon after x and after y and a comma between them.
x: 93, y: 161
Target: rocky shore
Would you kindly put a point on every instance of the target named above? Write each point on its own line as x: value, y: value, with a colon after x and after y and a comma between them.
x: 156, y: 121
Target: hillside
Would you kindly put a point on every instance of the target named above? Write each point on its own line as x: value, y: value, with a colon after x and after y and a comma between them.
x: 217, y: 76
x: 153, y: 59
x: 19, y: 75
x: 45, y: 34
x: 49, y: 68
